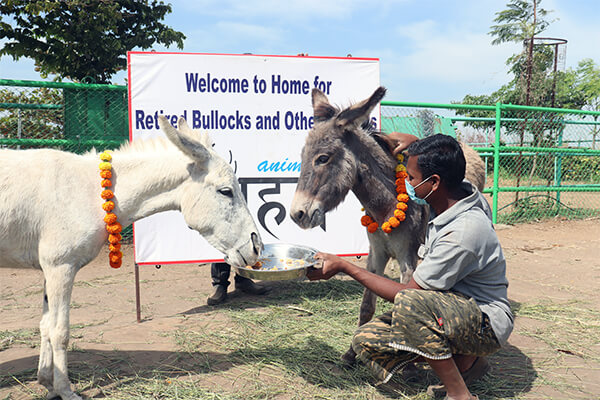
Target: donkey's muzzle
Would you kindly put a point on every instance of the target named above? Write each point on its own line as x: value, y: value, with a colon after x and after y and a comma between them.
x: 306, y: 220
x: 297, y: 216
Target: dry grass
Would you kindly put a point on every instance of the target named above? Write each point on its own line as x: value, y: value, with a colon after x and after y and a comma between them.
x: 289, y: 348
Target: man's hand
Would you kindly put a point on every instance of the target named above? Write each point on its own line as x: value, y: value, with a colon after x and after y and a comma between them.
x: 330, y: 266
x: 380, y: 285
x: 401, y: 141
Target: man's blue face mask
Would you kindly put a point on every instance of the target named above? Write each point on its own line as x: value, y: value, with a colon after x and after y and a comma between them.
x: 410, y: 191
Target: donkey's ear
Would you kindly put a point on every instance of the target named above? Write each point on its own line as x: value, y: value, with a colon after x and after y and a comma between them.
x: 185, y: 138
x: 359, y: 113
x: 323, y: 111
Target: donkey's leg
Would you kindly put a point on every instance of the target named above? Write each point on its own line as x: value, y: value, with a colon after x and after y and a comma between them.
x: 59, y: 285
x: 375, y: 263
x: 46, y: 366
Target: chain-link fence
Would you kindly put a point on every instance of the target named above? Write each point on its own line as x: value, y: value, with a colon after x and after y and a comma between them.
x: 66, y: 116
x: 540, y: 162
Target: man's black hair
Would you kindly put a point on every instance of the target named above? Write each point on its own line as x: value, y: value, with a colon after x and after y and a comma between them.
x: 442, y: 155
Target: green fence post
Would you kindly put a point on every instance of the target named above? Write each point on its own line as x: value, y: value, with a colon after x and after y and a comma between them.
x: 558, y: 166
x: 496, y: 164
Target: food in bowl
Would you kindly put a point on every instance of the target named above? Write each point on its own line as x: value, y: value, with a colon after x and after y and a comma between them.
x: 284, y: 264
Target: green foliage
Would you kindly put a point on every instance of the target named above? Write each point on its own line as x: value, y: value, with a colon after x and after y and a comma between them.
x: 33, y: 123
x: 534, y: 80
x: 581, y: 169
x: 80, y: 39
x: 588, y: 79
x: 520, y: 21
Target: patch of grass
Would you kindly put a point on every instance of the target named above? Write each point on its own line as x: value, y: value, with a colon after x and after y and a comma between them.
x: 164, y: 388
x: 298, y: 344
x: 568, y: 329
x: 541, y: 207
x: 27, y: 337
x: 288, y: 345
x: 573, y: 327
x: 285, y: 346
x: 19, y: 378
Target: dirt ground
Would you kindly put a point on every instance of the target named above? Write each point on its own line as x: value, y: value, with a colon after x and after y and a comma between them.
x: 555, y: 262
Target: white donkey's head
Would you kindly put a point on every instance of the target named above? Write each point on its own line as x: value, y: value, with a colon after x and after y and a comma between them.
x: 211, y: 199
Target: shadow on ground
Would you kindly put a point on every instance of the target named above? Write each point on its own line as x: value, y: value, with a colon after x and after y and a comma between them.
x: 286, y: 293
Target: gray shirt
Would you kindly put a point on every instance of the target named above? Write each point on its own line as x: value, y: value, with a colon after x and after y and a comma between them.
x: 462, y: 253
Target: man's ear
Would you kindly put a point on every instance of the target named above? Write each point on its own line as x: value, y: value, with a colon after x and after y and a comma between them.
x: 436, y: 181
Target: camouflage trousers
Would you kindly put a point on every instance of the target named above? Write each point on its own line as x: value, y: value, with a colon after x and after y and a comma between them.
x: 425, y: 323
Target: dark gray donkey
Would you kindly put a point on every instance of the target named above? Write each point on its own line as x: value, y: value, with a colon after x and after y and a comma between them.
x: 342, y: 154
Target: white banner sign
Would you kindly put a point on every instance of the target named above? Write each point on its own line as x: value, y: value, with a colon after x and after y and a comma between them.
x: 257, y: 109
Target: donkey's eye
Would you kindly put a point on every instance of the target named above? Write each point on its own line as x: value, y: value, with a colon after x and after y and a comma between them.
x: 322, y: 159
x: 226, y: 192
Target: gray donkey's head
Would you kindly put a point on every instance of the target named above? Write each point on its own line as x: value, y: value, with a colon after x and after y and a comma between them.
x: 337, y: 153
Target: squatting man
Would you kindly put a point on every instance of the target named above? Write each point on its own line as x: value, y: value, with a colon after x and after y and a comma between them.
x: 455, y: 310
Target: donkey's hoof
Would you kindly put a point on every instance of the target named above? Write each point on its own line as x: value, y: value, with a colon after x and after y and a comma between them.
x: 349, y: 357
x: 46, y: 381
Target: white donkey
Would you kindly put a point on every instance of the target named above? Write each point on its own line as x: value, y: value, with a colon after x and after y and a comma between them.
x: 52, y: 217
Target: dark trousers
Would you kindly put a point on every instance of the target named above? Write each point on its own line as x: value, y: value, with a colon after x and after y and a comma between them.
x: 220, y: 272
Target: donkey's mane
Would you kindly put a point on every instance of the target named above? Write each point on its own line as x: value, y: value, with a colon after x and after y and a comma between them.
x: 376, y: 144
x: 149, y: 145
x: 154, y: 145
x: 378, y: 136
x: 366, y: 127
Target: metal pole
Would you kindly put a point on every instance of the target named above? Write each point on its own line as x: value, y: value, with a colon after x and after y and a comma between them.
x: 558, y: 165
x: 138, y: 310
x: 19, y: 127
x: 495, y: 191
x: 554, y: 74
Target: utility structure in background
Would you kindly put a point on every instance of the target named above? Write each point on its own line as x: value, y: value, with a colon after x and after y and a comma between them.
x: 559, y: 61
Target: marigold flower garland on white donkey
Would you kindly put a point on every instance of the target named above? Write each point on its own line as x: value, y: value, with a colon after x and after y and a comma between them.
x: 53, y: 217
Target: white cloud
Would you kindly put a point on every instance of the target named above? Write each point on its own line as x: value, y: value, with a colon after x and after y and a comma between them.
x: 250, y: 32
x: 230, y: 36
x: 288, y: 10
x: 578, y: 24
x: 300, y: 11
x: 452, y: 55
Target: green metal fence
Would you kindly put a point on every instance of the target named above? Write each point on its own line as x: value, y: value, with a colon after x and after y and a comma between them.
x: 65, y: 116
x: 68, y: 116
x: 540, y: 162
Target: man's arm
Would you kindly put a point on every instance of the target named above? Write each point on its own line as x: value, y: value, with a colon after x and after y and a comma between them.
x: 380, y: 285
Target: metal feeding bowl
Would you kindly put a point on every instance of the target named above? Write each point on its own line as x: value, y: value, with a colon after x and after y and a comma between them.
x: 279, y: 262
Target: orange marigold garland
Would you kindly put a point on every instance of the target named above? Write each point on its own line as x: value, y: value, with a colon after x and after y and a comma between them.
x: 114, y: 228
x: 401, y: 206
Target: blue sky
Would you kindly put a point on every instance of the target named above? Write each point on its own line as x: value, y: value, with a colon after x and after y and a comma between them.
x: 429, y: 51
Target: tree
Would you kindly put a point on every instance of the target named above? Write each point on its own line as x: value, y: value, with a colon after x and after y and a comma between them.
x: 520, y: 23
x: 31, y: 123
x: 535, y: 82
x: 588, y: 79
x: 79, y: 39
